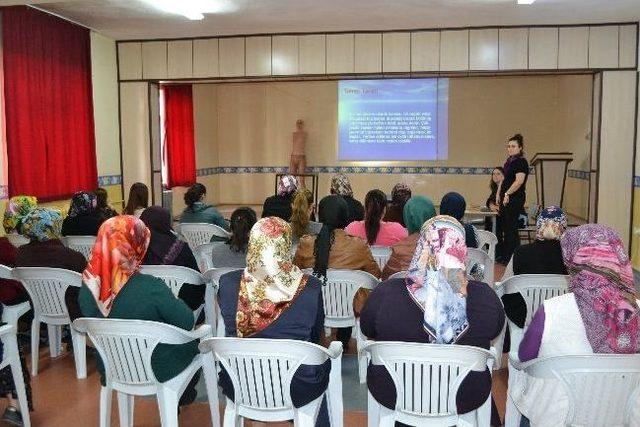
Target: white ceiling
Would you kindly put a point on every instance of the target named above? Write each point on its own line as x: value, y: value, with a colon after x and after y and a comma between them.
x: 134, y: 19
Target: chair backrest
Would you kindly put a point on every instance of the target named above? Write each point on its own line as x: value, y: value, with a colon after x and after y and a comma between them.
x: 427, y: 376
x: 46, y: 287
x: 203, y: 254
x: 480, y: 266
x: 82, y: 244
x: 197, y: 234
x: 399, y: 275
x: 174, y: 275
x: 487, y: 241
x: 5, y: 272
x: 212, y: 310
x: 17, y: 240
x: 261, y: 370
x: 381, y: 254
x: 338, y: 294
x: 535, y: 289
x: 602, y: 388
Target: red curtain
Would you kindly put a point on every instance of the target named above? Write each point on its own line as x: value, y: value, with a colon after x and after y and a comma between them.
x: 178, y: 131
x: 48, y: 104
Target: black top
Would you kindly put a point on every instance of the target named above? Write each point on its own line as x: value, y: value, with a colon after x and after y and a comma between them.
x: 519, y: 165
x: 391, y: 315
x: 356, y: 210
x: 279, y: 206
x: 82, y: 225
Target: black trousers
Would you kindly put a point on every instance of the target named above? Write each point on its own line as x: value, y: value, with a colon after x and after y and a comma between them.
x: 510, y: 235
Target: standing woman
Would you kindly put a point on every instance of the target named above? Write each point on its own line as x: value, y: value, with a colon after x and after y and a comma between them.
x: 512, y: 195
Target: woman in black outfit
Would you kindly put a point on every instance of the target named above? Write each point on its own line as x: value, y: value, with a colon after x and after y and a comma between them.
x: 512, y: 195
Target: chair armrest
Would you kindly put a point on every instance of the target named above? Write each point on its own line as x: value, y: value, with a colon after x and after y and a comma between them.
x: 335, y: 349
x: 6, y: 330
x: 203, y: 331
x: 518, y: 365
x: 11, y: 313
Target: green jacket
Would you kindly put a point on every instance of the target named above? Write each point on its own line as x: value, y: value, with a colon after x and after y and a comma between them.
x: 145, y: 297
x: 201, y: 212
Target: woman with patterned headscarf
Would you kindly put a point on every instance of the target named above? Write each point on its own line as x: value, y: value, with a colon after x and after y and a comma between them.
x: 600, y: 314
x: 436, y: 303
x: 114, y: 288
x: 341, y: 186
x: 17, y: 208
x: 279, y: 205
x: 83, y: 218
x: 400, y: 194
x: 272, y: 298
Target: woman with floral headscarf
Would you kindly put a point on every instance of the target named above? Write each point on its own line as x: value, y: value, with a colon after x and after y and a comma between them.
x: 436, y: 303
x: 83, y: 218
x: 600, y: 314
x: 113, y: 288
x: 400, y: 194
x: 272, y: 298
x: 17, y: 208
x: 341, y: 186
x: 279, y: 205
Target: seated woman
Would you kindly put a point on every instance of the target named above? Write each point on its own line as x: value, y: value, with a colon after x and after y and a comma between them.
x: 272, y: 298
x: 233, y: 253
x: 16, y: 209
x: 373, y: 229
x: 42, y: 226
x: 599, y: 315
x: 416, y: 211
x: 83, y: 218
x: 166, y: 249
x: 280, y: 204
x: 395, y: 210
x: 543, y: 256
x: 198, y: 211
x: 492, y: 203
x: 301, y: 212
x: 138, y: 200
x: 105, y: 211
x: 113, y: 288
x: 453, y: 204
x: 435, y: 304
x: 341, y: 186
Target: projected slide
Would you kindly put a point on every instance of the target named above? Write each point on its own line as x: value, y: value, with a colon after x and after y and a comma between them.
x: 399, y: 119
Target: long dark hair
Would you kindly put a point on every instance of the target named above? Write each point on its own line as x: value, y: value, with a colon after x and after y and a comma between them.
x: 101, y: 198
x: 493, y: 185
x: 138, y: 198
x: 194, y: 193
x: 374, y: 204
x: 242, y: 220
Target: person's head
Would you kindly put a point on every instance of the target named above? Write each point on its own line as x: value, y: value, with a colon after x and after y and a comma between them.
x: 157, y: 219
x: 242, y: 220
x: 269, y: 245
x: 83, y: 203
x: 375, y: 205
x: 102, y: 198
x: 436, y: 279
x: 497, y: 175
x: 42, y: 224
x: 340, y: 185
x: 551, y: 224
x: 17, y: 208
x: 416, y: 211
x: 301, y: 211
x: 601, y: 279
x: 400, y: 194
x: 120, y: 248
x: 287, y: 186
x: 196, y: 193
x: 138, y: 198
x: 515, y: 145
x: 299, y: 124
x: 333, y: 213
x: 453, y: 204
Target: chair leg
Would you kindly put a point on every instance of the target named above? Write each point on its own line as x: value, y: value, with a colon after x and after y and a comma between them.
x: 79, y: 353
x: 35, y: 346
x: 306, y: 415
x: 55, y: 340
x: 125, y: 409
x: 362, y: 358
x: 387, y: 417
x: 373, y: 411
x: 483, y: 413
x: 105, y: 407
x: 210, y: 380
x: 11, y: 349
x: 168, y: 403
x: 231, y: 418
x: 468, y: 419
x: 512, y: 415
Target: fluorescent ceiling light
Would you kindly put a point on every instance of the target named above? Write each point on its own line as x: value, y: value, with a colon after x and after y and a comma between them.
x: 526, y: 1
x: 192, y: 9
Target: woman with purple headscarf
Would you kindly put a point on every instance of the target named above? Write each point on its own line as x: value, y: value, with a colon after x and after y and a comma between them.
x: 400, y: 194
x: 280, y: 204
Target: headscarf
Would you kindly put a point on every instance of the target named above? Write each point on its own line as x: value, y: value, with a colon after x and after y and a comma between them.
x: 333, y: 213
x: 453, y: 204
x: 17, y: 208
x: 270, y: 281
x: 417, y: 210
x: 602, y: 283
x: 120, y: 247
x: 400, y: 194
x: 83, y: 203
x: 164, y: 245
x: 551, y: 224
x: 42, y: 224
x: 436, y: 275
x: 287, y: 184
x: 340, y: 185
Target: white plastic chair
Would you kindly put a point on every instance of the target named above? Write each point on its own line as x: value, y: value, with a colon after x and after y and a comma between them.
x: 602, y: 389
x: 203, y: 254
x: 381, y: 255
x: 11, y: 313
x: 16, y: 239
x: 484, y: 266
x: 487, y: 238
x: 174, y: 276
x: 11, y: 358
x: 261, y: 371
x: 426, y: 379
x: 125, y: 347
x: 82, y: 244
x: 337, y: 295
x: 46, y: 287
x: 399, y: 275
x: 212, y: 312
x: 197, y: 234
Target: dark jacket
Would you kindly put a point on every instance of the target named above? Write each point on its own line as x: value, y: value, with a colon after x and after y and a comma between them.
x: 82, y: 225
x: 11, y: 291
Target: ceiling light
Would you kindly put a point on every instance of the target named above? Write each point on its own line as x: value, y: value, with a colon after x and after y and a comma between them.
x: 526, y: 1
x: 192, y: 9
